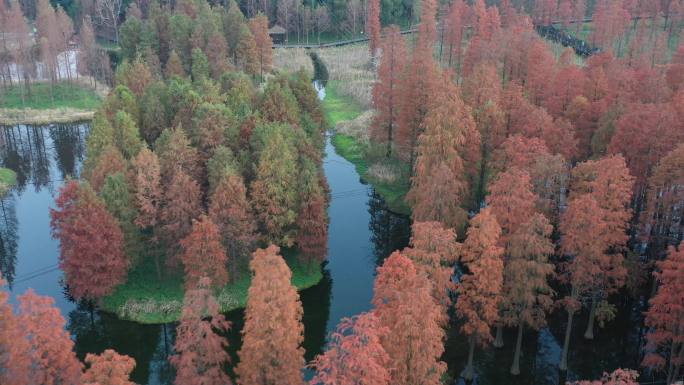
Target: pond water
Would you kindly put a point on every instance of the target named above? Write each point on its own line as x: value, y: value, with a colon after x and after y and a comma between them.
x: 362, y: 233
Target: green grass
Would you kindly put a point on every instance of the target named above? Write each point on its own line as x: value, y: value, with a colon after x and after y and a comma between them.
x: 145, y: 299
x: 63, y: 95
x: 340, y: 108
x: 8, y: 178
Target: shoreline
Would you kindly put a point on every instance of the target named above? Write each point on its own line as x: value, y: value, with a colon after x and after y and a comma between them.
x: 11, y: 116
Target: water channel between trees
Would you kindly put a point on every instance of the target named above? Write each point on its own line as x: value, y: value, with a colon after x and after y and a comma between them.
x: 362, y: 233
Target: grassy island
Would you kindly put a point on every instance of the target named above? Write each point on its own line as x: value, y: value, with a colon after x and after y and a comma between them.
x: 145, y: 299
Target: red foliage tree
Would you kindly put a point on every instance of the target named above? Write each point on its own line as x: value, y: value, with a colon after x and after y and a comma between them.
x: 455, y: 27
x: 108, y: 368
x: 273, y: 333
x: 230, y: 210
x: 479, y: 293
x: 643, y: 135
x: 109, y: 162
x: 660, y: 219
x: 312, y: 225
x: 434, y: 251
x: 511, y: 201
x: 404, y: 305
x: 181, y: 206
x: 51, y: 355
x: 373, y: 26
x: 419, y: 83
x: 259, y: 27
x: 200, y: 351
x: 91, y: 242
x: 355, y: 354
x: 14, y: 348
x: 386, y: 91
x: 527, y: 294
x: 617, y: 377
x: 439, y: 187
x: 665, y: 339
x: 203, y: 254
x: 148, y: 194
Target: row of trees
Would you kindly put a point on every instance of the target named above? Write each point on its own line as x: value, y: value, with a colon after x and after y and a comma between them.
x: 194, y: 171
x: 570, y: 160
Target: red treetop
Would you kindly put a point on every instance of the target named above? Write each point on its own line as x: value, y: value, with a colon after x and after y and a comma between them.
x: 203, y: 254
x: 355, y: 355
x: 480, y: 291
x: 415, y: 338
x: 51, y: 355
x: 434, y: 251
x: 373, y: 25
x: 91, y: 242
x: 14, y: 349
x: 108, y: 368
x: 665, y: 317
x: 273, y: 333
x: 512, y: 201
x: 201, y: 351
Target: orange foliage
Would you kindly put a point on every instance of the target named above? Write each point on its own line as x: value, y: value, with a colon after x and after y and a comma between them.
x: 273, y: 333
x: 203, y: 254
x: 108, y: 368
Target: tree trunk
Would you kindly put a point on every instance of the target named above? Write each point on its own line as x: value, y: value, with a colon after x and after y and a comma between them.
x: 499, y: 342
x: 515, y: 368
x: 566, y: 343
x: 469, y: 372
x: 589, y: 333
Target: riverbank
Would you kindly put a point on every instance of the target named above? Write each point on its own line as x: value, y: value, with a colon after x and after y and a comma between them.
x: 389, y: 177
x: 148, y: 300
x: 62, y: 103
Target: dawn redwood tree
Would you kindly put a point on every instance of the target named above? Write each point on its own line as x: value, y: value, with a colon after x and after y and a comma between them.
x: 51, y: 355
x: 96, y: 169
x: 274, y: 189
x: 439, y: 186
x: 14, y: 348
x: 418, y: 83
x: 181, y: 205
x: 404, y: 305
x: 203, y: 254
x: 665, y: 317
x: 512, y: 202
x: 108, y: 368
x: 148, y: 193
x: 176, y: 152
x: 259, y: 27
x: 91, y: 242
x: 479, y: 293
x: 354, y: 354
x: 230, y: 210
x: 455, y: 33
x: 200, y: 349
x: 527, y: 293
x: 387, y: 91
x: 434, y: 252
x: 271, y: 351
x: 312, y: 221
x: 663, y: 208
x: 373, y: 26
x: 643, y: 135
x: 617, y: 377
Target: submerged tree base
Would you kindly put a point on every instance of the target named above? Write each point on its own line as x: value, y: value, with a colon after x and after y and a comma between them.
x: 388, y: 176
x: 146, y: 299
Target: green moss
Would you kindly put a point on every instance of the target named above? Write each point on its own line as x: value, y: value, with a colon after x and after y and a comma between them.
x: 63, y: 95
x: 146, y: 299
